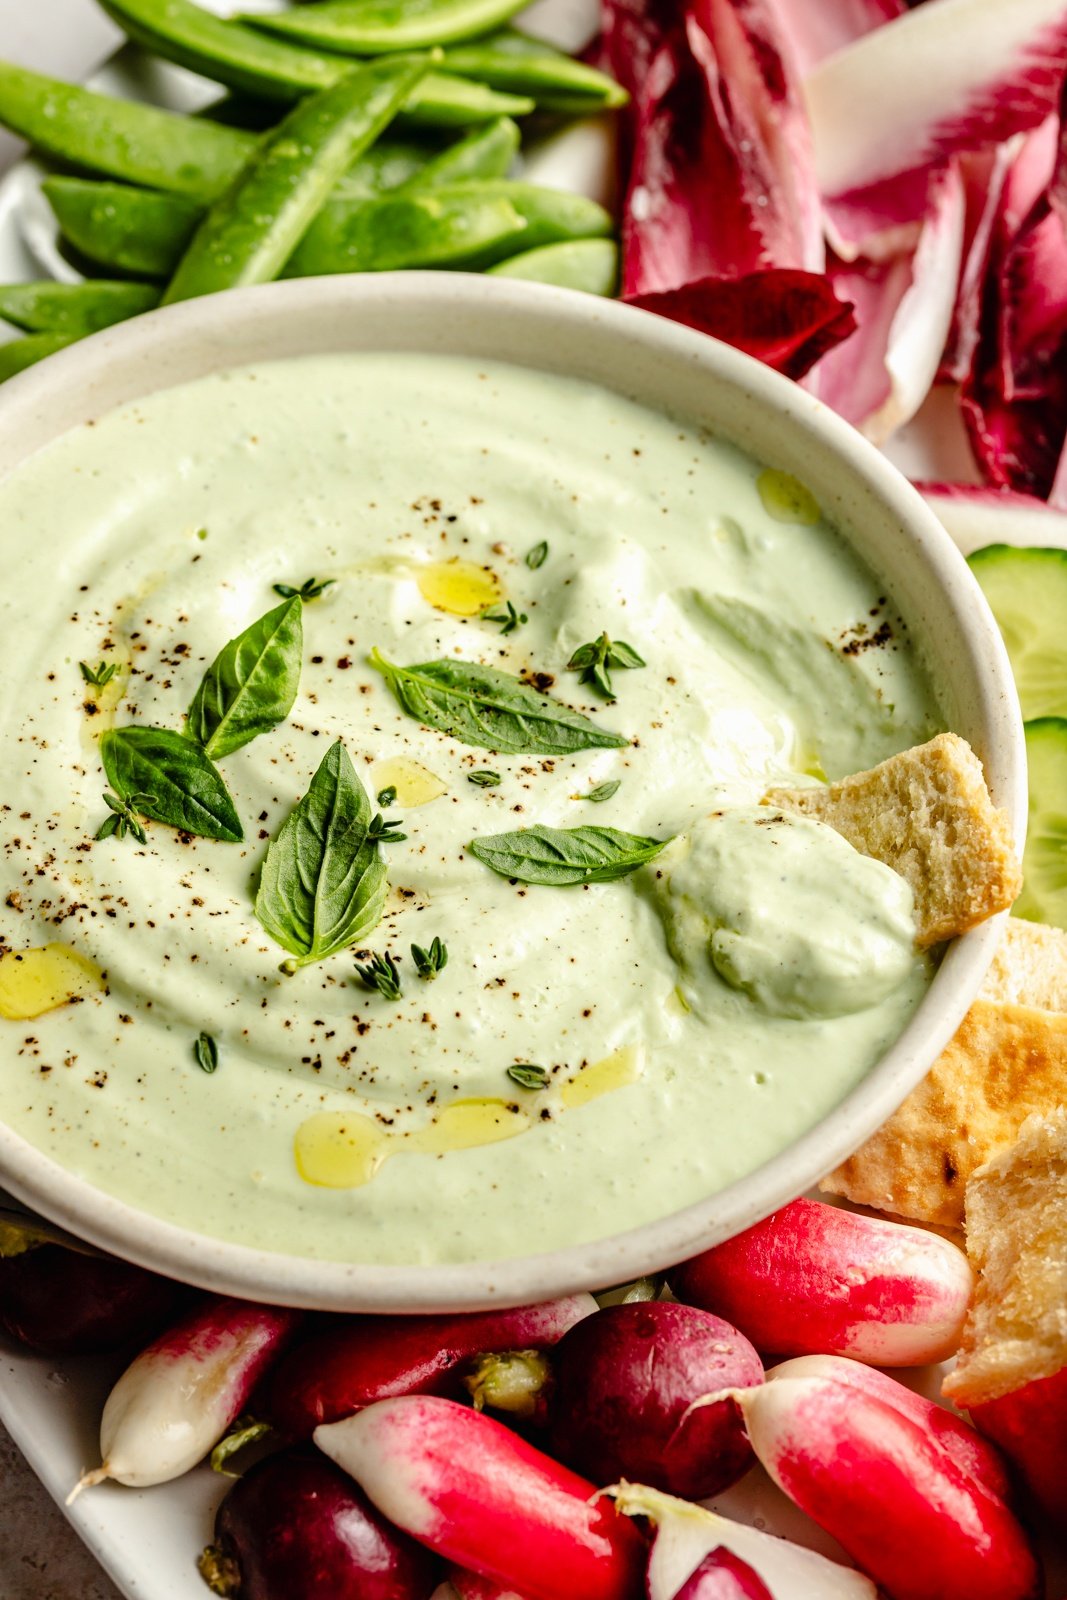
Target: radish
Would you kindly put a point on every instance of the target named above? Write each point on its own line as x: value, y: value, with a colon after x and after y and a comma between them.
x: 180, y: 1395
x: 813, y: 1279
x: 686, y: 1533
x: 469, y: 1586
x: 1030, y: 1425
x: 61, y: 1300
x: 363, y: 1359
x: 484, y: 1498
x: 294, y: 1528
x: 722, y: 1576
x: 872, y: 1476
x: 622, y: 1404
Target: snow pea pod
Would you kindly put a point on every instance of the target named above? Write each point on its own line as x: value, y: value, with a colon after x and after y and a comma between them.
x: 76, y: 309
x: 591, y: 265
x: 373, y: 27
x: 122, y: 228
x: 485, y: 153
x: 426, y: 229
x: 337, y: 240
x: 518, y: 64
x: 249, y: 234
x: 18, y: 354
x: 121, y: 138
x: 243, y: 58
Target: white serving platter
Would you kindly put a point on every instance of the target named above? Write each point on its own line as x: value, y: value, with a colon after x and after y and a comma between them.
x: 148, y: 1540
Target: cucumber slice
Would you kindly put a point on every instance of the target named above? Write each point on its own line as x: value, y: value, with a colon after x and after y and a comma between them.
x: 1027, y: 591
x: 1044, y: 896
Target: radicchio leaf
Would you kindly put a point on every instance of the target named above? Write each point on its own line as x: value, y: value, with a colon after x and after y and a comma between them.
x: 977, y: 516
x: 815, y: 29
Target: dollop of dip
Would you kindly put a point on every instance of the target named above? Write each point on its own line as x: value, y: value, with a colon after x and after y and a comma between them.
x: 589, y: 1056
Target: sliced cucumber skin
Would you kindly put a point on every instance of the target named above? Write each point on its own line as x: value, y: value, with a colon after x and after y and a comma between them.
x: 1027, y: 592
x: 1044, y: 896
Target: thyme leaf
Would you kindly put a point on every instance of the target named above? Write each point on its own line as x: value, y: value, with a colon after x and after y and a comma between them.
x: 528, y: 1076
x: 595, y: 660
x: 428, y: 963
x: 383, y: 974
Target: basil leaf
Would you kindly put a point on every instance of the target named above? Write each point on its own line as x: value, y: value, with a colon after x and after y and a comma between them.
x: 251, y: 684
x: 565, y: 855
x: 323, y: 883
x: 491, y: 709
x: 170, y: 779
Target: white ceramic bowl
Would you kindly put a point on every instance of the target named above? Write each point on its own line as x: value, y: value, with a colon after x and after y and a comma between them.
x: 664, y: 366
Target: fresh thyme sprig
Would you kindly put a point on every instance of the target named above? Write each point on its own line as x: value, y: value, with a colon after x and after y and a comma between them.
x: 603, y: 791
x: 528, y: 1076
x: 428, y: 963
x: 483, y: 779
x: 595, y: 660
x: 509, y: 618
x: 383, y: 974
x: 99, y: 676
x: 310, y: 589
x: 537, y: 556
x: 386, y: 797
x: 124, y: 818
x: 383, y: 830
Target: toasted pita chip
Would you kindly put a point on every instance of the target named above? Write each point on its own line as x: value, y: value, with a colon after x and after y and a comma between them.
x: 1005, y: 1062
x: 1030, y: 967
x: 927, y: 814
x: 1016, y: 1330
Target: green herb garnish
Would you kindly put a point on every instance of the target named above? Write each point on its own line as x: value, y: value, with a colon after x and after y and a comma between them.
x: 310, y: 589
x: 565, y: 855
x: 169, y: 778
x: 383, y: 830
x: 99, y: 676
x: 323, y: 883
x: 484, y: 779
x: 537, y: 556
x: 509, y: 618
x: 251, y: 684
x: 386, y: 796
x: 594, y: 661
x: 603, y: 791
x: 245, y: 1431
x: 428, y: 963
x: 123, y: 818
x: 383, y: 974
x: 492, y: 709
x: 206, y: 1051
x: 528, y: 1076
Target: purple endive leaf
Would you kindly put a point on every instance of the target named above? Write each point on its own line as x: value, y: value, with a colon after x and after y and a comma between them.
x: 786, y: 319
x: 976, y: 517
x: 904, y: 309
x: 985, y: 174
x: 815, y: 29
x: 949, y: 76
x: 722, y: 1576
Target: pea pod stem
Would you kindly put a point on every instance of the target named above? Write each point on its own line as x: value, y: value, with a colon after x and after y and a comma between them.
x: 250, y: 232
x: 373, y: 27
x: 247, y: 59
x: 516, y: 63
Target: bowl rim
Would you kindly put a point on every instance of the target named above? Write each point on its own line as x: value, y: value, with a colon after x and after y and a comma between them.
x: 231, y: 1268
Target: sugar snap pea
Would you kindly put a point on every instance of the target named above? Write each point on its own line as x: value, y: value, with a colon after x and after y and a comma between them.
x: 18, y: 354
x: 76, y: 309
x: 423, y: 229
x: 371, y: 27
x: 588, y: 264
x: 122, y: 228
x: 243, y: 58
x: 121, y: 138
x: 484, y: 153
x: 249, y: 234
x: 518, y: 64
x: 337, y: 240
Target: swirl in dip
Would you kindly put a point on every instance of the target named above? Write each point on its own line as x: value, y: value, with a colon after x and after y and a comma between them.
x: 692, y: 1018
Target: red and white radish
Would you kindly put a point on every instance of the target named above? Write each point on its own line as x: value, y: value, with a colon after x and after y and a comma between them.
x: 295, y: 1528
x: 1030, y: 1425
x: 175, y: 1402
x: 469, y: 1586
x: 363, y: 1359
x: 723, y: 1576
x: 485, y: 1499
x: 622, y: 1402
x: 686, y: 1534
x: 66, y: 1301
x: 869, y: 1474
x: 813, y: 1279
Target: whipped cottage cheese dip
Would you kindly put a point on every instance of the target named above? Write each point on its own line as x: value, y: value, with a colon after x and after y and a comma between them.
x: 692, y: 1018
